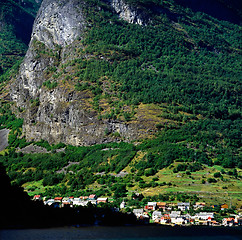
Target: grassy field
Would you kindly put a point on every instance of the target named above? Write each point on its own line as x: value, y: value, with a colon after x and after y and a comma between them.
x: 227, y: 189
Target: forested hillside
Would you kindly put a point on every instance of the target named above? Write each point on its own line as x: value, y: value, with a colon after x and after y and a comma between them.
x: 180, y: 71
x: 16, y: 21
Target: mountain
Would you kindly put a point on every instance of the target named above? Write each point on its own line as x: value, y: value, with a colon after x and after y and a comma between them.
x: 16, y: 21
x: 147, y: 89
x: 86, y: 70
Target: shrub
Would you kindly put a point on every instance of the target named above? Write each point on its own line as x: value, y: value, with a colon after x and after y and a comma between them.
x: 212, y: 180
x: 217, y: 174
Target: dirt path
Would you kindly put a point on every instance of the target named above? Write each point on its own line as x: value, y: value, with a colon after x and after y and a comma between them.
x: 3, y: 139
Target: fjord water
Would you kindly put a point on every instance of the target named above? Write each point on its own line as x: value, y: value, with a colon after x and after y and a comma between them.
x: 123, y: 233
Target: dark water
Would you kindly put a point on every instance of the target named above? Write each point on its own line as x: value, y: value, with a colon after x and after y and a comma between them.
x: 123, y: 233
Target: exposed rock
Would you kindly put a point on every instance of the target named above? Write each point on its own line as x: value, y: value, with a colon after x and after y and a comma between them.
x: 62, y: 114
x: 59, y: 22
x: 33, y: 149
x: 64, y: 169
x: 128, y: 13
x: 3, y: 139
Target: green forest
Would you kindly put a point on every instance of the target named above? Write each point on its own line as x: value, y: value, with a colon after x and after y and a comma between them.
x: 187, y: 62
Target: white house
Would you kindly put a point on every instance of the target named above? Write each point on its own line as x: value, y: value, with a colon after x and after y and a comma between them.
x: 103, y: 200
x: 204, y: 216
x: 138, y: 212
x: 49, y: 202
x: 156, y: 215
x: 122, y: 205
x: 151, y: 206
x: 77, y: 201
x: 177, y: 220
x: 175, y: 214
x: 183, y: 206
x: 228, y: 222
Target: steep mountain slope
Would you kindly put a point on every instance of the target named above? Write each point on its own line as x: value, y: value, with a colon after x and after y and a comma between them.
x: 78, y: 46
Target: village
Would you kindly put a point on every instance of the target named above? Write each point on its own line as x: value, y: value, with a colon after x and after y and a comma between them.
x: 154, y: 212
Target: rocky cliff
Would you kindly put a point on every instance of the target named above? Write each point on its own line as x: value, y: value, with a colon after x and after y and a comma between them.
x: 128, y: 13
x: 59, y: 113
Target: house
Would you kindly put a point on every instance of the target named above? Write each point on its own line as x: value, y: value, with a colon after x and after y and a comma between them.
x: 224, y: 206
x: 156, y: 215
x: 52, y: 203
x: 228, y: 222
x: 177, y: 220
x: 103, y: 200
x: 183, y: 206
x: 170, y: 206
x: 122, y: 205
x: 92, y: 197
x: 84, y: 198
x: 175, y: 214
x: 203, y: 216
x: 165, y: 219
x: 58, y: 199
x: 138, y: 212
x: 37, y: 198
x: 151, y: 206
x: 161, y: 205
x: 66, y: 201
x: 49, y: 202
x: 76, y: 201
x: 84, y: 203
x: 238, y: 220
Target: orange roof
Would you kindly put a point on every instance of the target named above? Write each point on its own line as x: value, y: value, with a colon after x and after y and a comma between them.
x: 58, y: 198
x: 92, y: 196
x: 36, y: 196
x: 161, y: 203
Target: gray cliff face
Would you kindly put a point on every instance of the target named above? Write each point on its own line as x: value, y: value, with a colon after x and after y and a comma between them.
x: 128, y: 13
x: 62, y: 114
x: 62, y: 117
x: 58, y: 22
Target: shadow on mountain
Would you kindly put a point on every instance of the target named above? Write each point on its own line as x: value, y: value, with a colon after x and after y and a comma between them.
x: 18, y: 19
x: 227, y: 10
x: 18, y: 211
